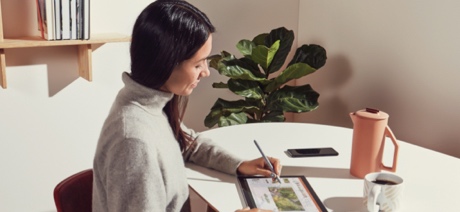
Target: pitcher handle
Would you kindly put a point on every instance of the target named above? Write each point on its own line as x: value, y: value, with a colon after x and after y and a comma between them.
x: 389, y: 133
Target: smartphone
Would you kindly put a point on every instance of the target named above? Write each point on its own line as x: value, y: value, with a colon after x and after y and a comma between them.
x: 312, y: 152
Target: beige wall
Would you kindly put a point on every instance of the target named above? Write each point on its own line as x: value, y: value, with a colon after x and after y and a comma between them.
x: 50, y: 118
x: 399, y: 56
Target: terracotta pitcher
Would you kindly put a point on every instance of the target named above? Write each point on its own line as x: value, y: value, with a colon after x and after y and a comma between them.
x: 370, y: 128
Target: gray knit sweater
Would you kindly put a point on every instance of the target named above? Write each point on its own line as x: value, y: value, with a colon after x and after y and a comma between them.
x: 138, y: 165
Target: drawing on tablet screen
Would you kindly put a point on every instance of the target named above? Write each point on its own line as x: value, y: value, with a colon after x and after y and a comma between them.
x: 285, y: 199
x: 291, y: 195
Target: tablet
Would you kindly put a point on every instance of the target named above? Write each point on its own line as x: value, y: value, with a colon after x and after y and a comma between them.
x: 293, y: 194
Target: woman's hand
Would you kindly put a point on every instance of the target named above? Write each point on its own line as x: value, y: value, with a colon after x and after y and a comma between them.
x: 259, y: 167
x: 247, y: 209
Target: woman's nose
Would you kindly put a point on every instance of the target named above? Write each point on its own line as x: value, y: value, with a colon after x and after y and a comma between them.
x: 205, y: 72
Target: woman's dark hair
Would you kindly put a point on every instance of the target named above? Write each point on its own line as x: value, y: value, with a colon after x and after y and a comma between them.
x: 166, y: 33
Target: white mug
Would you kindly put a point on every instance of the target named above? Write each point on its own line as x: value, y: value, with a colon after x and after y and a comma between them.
x: 383, y: 191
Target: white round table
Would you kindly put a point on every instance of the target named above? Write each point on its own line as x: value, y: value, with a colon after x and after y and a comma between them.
x: 431, y: 178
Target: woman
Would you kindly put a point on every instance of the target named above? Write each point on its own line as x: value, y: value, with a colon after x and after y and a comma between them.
x: 139, y: 161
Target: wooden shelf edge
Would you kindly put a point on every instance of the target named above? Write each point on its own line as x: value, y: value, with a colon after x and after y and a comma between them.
x: 85, y: 49
x: 27, y: 42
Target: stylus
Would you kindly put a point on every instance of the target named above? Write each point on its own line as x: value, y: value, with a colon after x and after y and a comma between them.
x: 273, y: 175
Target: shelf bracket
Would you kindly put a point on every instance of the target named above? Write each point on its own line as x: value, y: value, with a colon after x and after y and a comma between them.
x: 84, y: 61
x: 2, y: 68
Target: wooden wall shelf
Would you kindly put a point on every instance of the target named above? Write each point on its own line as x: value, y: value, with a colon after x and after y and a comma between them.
x: 85, y: 49
x: 25, y: 42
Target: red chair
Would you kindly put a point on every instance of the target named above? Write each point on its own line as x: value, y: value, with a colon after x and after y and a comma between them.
x: 74, y: 194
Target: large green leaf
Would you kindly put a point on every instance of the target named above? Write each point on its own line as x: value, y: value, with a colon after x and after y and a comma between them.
x: 264, y: 55
x: 224, y: 108
x: 274, y: 116
x: 258, y: 105
x: 246, y: 63
x: 219, y: 85
x: 232, y: 119
x: 245, y: 47
x: 216, y: 59
x: 231, y: 106
x: 293, y: 99
x: 245, y: 88
x: 286, y: 38
x: 313, y: 55
x: 294, y: 71
x: 260, y: 39
x: 227, y: 68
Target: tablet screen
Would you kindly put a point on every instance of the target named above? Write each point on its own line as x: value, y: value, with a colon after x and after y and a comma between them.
x: 293, y: 194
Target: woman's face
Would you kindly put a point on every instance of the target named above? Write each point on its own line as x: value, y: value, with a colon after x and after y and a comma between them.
x: 186, y: 76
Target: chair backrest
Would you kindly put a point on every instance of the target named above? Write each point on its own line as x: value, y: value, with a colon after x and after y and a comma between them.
x: 75, y: 193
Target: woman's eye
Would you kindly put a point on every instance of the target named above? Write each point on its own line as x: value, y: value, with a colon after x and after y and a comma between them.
x: 204, y: 63
x: 201, y: 65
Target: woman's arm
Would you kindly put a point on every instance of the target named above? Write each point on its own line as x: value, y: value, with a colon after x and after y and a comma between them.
x: 207, y: 153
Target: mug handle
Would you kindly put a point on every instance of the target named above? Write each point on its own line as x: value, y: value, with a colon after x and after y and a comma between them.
x: 389, y: 133
x: 372, y: 198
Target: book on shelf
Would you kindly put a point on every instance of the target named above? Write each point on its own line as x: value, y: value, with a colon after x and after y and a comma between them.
x: 78, y: 19
x: 57, y: 20
x: 45, y: 19
x: 63, y: 19
x: 39, y: 18
x: 82, y: 19
x: 73, y: 19
x: 86, y: 19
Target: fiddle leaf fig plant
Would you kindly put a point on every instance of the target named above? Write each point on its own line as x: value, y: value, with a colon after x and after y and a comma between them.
x: 265, y: 95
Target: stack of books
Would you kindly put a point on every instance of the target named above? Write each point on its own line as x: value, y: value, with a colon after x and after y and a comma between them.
x: 63, y: 19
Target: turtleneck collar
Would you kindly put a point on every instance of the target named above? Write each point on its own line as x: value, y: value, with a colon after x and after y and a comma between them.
x: 152, y: 100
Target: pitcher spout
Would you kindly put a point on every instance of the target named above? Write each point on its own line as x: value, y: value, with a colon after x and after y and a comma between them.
x: 353, y: 117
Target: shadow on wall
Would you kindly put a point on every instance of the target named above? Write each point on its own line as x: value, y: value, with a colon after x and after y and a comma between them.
x: 328, y: 82
x: 61, y: 62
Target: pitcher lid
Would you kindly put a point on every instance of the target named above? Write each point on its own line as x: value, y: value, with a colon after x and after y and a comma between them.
x: 372, y: 113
